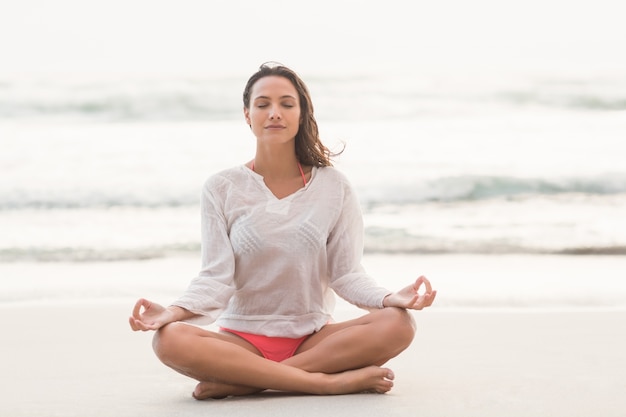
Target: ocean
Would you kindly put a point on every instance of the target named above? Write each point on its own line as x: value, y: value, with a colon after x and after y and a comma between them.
x: 109, y: 169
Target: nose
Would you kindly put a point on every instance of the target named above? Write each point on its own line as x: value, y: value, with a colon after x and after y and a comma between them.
x: 274, y: 113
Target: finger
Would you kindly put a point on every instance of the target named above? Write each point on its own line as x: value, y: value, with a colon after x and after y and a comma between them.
x: 137, y: 309
x: 140, y: 325
x: 428, y: 299
x: 134, y: 324
x: 423, y: 280
x: 429, y: 287
x: 418, y: 283
x: 419, y: 303
x: 432, y: 298
x: 412, y: 301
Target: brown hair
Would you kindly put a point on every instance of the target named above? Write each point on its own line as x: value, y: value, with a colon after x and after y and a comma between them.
x: 309, y: 148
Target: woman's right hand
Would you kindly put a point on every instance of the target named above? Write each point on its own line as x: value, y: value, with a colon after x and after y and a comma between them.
x: 152, y: 317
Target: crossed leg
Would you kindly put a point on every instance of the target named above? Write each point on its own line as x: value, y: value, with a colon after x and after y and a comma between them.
x: 341, y: 358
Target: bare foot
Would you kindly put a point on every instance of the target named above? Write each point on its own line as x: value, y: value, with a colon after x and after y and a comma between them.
x: 369, y: 379
x: 218, y: 390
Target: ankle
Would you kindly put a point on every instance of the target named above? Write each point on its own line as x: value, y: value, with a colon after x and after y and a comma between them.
x: 324, y: 384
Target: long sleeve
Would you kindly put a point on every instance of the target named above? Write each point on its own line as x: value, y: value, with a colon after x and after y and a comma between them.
x: 345, y: 250
x: 209, y: 292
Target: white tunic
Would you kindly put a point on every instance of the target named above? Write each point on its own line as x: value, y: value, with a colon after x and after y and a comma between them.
x: 269, y: 265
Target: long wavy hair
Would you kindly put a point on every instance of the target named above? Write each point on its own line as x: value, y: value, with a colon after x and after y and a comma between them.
x: 309, y: 148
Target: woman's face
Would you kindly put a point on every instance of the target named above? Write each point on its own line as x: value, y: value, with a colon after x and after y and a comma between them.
x: 274, y: 112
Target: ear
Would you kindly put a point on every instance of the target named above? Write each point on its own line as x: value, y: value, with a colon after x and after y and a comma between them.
x: 246, y: 115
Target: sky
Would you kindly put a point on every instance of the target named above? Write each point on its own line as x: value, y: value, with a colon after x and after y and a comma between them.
x: 235, y: 36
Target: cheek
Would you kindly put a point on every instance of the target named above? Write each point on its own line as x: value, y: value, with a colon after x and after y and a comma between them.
x: 253, y: 117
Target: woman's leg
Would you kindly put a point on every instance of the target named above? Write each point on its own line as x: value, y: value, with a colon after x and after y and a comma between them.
x: 216, y: 358
x: 372, y: 339
x: 369, y: 340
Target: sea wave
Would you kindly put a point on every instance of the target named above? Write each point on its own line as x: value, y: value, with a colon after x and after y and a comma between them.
x: 477, y: 187
x: 85, y: 199
x: 95, y: 254
x: 584, y: 94
x: 445, y: 189
x: 399, y: 242
x: 127, y: 100
x: 571, y: 100
x: 210, y: 99
x: 389, y: 243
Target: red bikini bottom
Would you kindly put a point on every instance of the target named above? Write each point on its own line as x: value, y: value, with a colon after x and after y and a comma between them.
x: 276, y: 349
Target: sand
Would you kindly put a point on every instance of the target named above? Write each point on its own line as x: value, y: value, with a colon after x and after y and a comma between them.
x: 67, y: 349
x: 83, y: 360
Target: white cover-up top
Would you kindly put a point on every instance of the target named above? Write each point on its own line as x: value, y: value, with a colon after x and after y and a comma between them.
x: 269, y: 265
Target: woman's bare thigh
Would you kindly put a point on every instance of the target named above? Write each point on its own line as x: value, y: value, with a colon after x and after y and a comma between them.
x: 333, y: 328
x: 225, y: 336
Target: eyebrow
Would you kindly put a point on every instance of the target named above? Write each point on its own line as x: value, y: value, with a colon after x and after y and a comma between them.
x: 268, y: 98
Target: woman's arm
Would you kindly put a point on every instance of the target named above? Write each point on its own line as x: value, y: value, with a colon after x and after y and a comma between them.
x: 209, y: 292
x: 348, y: 278
x: 344, y: 249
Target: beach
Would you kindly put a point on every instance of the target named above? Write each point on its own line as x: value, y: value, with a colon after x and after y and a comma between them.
x: 485, y: 142
x: 77, y: 357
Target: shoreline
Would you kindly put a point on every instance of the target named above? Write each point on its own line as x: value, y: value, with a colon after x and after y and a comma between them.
x: 464, y: 282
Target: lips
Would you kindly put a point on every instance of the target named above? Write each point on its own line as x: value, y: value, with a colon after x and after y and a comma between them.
x: 275, y: 127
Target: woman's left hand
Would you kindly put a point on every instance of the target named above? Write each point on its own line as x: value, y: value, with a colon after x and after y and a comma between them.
x: 409, y: 297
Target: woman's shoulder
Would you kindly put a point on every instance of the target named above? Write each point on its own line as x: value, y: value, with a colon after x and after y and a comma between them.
x: 226, y: 178
x: 330, y: 173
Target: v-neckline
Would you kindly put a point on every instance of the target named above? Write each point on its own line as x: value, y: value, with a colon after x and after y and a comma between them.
x: 261, y: 180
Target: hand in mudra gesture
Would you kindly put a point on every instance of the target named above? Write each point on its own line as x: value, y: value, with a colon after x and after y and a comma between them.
x: 150, y: 316
x: 410, y: 297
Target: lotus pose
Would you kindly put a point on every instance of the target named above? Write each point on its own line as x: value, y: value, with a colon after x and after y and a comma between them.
x: 281, y: 235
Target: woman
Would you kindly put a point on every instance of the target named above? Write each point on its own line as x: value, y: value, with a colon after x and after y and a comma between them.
x: 280, y: 235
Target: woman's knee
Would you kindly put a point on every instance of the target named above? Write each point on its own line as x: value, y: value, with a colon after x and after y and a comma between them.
x: 167, y: 341
x: 399, y: 325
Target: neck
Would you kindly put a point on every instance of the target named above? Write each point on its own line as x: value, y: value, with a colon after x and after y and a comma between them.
x: 277, y: 164
x: 280, y: 169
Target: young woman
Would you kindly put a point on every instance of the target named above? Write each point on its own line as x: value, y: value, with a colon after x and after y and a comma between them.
x: 280, y: 235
